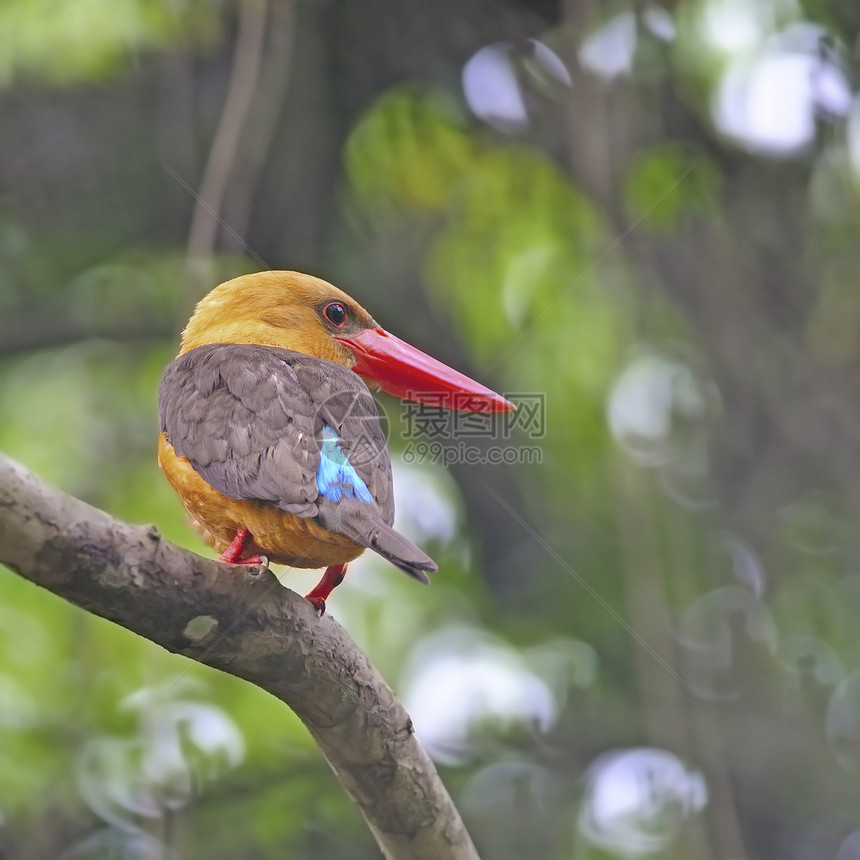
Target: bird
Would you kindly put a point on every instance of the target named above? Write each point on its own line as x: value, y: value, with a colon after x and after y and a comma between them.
x: 271, y: 437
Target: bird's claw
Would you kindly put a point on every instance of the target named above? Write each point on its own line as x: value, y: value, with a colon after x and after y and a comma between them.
x: 318, y: 604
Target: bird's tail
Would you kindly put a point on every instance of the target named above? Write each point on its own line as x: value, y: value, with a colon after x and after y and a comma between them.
x: 393, y: 547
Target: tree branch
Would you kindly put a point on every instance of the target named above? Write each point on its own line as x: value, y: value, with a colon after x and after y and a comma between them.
x: 225, y: 145
x: 131, y: 576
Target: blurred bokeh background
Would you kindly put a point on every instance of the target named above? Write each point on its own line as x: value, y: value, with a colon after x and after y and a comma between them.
x: 644, y: 638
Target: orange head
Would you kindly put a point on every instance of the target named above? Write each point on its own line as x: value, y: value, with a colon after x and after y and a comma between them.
x: 285, y: 309
x: 308, y: 315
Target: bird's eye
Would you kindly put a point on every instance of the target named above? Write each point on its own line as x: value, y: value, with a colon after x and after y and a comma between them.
x: 335, y: 313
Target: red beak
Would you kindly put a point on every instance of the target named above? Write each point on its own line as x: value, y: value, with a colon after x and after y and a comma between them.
x: 405, y: 371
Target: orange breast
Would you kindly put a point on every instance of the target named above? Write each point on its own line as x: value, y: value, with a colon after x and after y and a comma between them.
x: 283, y: 537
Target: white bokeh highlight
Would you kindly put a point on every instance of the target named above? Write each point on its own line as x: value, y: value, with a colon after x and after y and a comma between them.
x: 608, y: 52
x: 775, y: 90
x: 636, y: 800
x: 649, y: 394
x: 460, y: 680
x: 494, y: 77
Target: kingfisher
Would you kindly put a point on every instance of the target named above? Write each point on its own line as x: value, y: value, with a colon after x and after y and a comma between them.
x: 271, y: 437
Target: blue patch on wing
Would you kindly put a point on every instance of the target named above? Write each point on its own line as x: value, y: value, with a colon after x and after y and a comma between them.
x: 336, y: 478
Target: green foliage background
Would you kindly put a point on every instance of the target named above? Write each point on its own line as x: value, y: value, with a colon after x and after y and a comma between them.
x: 645, y: 644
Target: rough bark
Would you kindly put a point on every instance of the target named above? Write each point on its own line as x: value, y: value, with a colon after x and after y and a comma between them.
x: 251, y: 628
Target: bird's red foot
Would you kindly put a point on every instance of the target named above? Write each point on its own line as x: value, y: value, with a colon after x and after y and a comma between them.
x: 233, y: 553
x: 331, y: 579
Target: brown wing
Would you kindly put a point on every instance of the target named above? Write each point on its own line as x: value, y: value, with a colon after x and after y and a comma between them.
x: 250, y: 421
